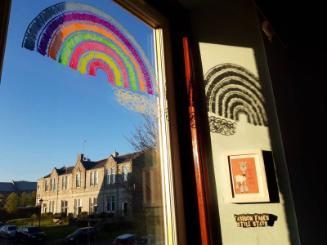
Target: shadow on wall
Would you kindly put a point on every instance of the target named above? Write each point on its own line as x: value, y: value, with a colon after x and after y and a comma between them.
x: 235, y: 23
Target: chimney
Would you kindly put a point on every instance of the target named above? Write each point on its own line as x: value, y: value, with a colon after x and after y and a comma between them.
x: 115, y: 154
x: 80, y: 157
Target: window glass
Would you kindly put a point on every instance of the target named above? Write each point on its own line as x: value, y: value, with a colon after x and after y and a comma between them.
x: 82, y: 78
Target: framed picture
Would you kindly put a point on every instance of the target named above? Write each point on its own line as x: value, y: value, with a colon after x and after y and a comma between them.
x: 247, y: 177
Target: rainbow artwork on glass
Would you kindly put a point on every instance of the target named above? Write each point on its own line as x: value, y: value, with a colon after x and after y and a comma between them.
x: 87, y: 39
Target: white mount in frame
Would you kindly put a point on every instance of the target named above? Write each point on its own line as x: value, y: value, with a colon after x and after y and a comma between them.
x: 247, y: 175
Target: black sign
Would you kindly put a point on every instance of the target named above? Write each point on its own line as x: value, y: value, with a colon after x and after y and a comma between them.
x: 255, y: 220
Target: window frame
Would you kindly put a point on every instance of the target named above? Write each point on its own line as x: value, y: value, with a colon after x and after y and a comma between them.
x: 5, y: 6
x: 171, y: 174
x: 173, y: 203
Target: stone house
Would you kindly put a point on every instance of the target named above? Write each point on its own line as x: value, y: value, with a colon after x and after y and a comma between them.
x: 123, y: 185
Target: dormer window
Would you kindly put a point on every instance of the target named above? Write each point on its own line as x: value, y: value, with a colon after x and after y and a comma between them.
x: 78, y: 179
x: 64, y: 181
x: 93, y: 178
x: 46, y: 185
x: 52, y: 184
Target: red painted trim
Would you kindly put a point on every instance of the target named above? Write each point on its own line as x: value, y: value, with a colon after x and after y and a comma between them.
x: 195, y: 146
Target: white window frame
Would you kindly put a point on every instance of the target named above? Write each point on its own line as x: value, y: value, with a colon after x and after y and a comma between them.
x: 108, y: 176
x: 125, y: 173
x: 170, y: 173
x: 113, y: 175
x: 78, y: 179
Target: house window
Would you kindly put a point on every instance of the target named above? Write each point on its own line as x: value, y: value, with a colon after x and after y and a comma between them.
x: 45, y: 210
x: 64, y: 182
x: 77, y: 206
x: 125, y: 173
x: 93, y: 204
x: 46, y: 185
x: 78, y: 179
x: 108, y: 173
x: 112, y: 203
x: 113, y: 175
x: 52, y: 207
x: 64, y: 206
x: 94, y: 178
x: 124, y: 208
x: 91, y: 179
x: 52, y: 184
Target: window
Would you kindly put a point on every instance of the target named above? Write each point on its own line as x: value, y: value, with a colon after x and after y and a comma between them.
x: 125, y: 208
x: 113, y: 175
x: 78, y: 179
x: 111, y: 204
x: 52, y: 207
x: 93, y: 204
x: 91, y: 179
x: 94, y: 178
x: 64, y: 182
x: 108, y: 173
x: 77, y: 206
x: 91, y: 77
x: 64, y: 206
x: 46, y: 185
x: 125, y: 173
x: 52, y: 184
x: 45, y: 210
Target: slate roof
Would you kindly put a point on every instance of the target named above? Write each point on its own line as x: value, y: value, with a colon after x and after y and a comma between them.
x: 24, y: 185
x: 124, y: 158
x: 88, y: 164
x: 6, y: 187
x: 64, y: 170
x: 17, y: 186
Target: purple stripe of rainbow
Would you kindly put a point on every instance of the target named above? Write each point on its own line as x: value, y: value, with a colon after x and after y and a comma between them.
x: 60, y: 19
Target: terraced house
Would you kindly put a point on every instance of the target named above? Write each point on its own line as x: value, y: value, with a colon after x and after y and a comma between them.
x: 116, y: 185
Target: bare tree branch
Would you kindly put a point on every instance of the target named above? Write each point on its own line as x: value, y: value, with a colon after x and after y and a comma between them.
x: 145, y: 135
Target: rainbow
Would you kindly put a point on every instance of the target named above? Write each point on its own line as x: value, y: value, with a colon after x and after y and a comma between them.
x: 87, y: 39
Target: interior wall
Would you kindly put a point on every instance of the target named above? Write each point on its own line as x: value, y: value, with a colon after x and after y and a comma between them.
x: 228, y: 32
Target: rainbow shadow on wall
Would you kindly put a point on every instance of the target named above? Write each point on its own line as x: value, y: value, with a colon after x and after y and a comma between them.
x: 231, y: 91
x: 87, y: 39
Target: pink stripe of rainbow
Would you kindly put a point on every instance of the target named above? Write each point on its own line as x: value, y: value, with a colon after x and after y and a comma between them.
x: 98, y: 47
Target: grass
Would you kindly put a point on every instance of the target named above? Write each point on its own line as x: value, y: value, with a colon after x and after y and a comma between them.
x: 53, y: 231
x: 56, y: 232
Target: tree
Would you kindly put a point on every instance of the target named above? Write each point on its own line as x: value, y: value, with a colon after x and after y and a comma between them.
x: 23, y: 200
x: 32, y: 199
x: 2, y: 200
x: 11, y: 203
x: 146, y: 135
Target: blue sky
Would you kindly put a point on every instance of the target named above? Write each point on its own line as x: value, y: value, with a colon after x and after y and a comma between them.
x: 47, y: 110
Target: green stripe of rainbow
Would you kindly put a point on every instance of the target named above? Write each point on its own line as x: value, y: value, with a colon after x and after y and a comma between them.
x: 77, y: 34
